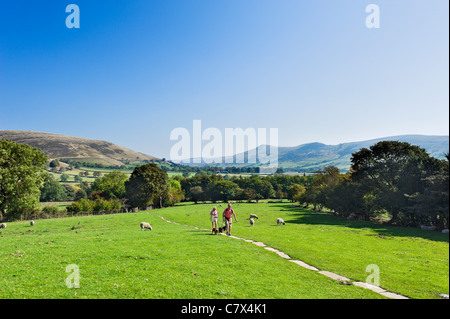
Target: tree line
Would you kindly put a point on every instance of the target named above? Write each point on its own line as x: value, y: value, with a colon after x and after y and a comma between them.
x: 396, y: 181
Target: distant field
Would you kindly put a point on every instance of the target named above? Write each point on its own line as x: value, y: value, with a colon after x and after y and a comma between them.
x: 60, y: 205
x: 117, y: 260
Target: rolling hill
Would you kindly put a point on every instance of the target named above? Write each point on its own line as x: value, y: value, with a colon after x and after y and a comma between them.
x: 304, y: 158
x: 63, y: 147
x: 314, y: 156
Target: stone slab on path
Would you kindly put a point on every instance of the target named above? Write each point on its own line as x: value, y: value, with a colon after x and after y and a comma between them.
x: 279, y: 253
x: 393, y: 295
x: 334, y: 276
x: 365, y: 285
x: 304, y: 265
x: 258, y: 243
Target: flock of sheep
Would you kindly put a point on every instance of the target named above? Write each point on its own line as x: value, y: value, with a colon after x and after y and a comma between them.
x: 252, y: 218
x: 3, y: 226
x: 280, y: 221
x: 145, y: 226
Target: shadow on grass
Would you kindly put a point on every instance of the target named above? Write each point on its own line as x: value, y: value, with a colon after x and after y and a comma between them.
x: 306, y: 216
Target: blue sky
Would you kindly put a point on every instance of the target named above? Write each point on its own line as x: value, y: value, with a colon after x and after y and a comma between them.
x: 135, y: 70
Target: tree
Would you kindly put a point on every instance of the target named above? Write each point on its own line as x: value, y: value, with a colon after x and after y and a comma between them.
x: 64, y: 178
x: 70, y: 191
x: 54, y: 163
x: 53, y: 191
x: 196, y: 193
x: 97, y: 174
x: 111, y: 184
x: 176, y: 194
x: 431, y: 207
x: 295, y: 192
x: 148, y: 185
x: 390, y: 170
x: 80, y: 194
x: 22, y: 171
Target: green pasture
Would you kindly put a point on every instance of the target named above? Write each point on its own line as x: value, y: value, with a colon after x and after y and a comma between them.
x: 118, y: 260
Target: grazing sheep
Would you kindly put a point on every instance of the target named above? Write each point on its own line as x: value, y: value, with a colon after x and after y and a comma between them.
x: 145, y: 226
x: 252, y: 222
x: 253, y: 216
x: 3, y: 225
x: 32, y: 223
x: 280, y: 222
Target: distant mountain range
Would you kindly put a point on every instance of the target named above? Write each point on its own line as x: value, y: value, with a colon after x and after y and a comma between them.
x: 313, y: 156
x: 317, y: 155
x: 304, y: 158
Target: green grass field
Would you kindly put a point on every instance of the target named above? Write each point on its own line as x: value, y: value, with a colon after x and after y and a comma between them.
x: 118, y: 260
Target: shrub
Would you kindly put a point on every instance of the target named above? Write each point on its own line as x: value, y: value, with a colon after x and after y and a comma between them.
x: 50, y: 210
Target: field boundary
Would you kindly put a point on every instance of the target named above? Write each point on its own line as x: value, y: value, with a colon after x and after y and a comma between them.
x: 340, y: 279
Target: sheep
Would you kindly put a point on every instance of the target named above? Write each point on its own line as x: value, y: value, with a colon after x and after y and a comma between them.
x: 252, y: 222
x: 32, y: 223
x: 145, y: 226
x: 253, y: 216
x: 3, y: 225
x: 280, y: 222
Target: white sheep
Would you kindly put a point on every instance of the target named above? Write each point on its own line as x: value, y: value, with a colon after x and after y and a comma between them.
x: 252, y: 222
x: 145, y: 226
x: 32, y: 223
x: 280, y: 222
x: 3, y: 225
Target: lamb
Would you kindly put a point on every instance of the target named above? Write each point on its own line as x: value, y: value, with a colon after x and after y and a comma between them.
x: 252, y: 222
x: 280, y: 222
x: 32, y: 223
x: 145, y: 226
x: 3, y: 225
x: 253, y: 216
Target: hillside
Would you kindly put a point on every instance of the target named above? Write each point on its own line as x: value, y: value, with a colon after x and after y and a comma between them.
x: 62, y: 147
x: 313, y: 156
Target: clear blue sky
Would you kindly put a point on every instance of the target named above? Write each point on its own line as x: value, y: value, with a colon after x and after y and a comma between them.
x: 137, y: 69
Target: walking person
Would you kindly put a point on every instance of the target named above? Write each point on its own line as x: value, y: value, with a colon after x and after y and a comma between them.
x: 228, y: 214
x: 214, y: 217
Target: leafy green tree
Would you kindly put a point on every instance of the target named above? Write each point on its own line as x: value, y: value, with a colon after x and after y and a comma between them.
x: 70, y: 191
x: 53, y: 191
x: 148, y: 185
x: 54, y: 163
x: 295, y: 192
x: 176, y: 194
x: 80, y: 194
x: 112, y: 185
x: 196, y: 193
x: 390, y: 170
x: 97, y: 174
x: 431, y: 207
x: 22, y: 172
x: 64, y: 178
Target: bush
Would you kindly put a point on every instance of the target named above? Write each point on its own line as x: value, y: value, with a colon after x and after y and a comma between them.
x: 50, y: 210
x: 98, y: 205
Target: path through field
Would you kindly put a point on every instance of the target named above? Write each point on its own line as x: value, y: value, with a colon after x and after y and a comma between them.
x: 341, y: 279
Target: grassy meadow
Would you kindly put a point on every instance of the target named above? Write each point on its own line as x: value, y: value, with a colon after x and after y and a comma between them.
x: 118, y: 260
